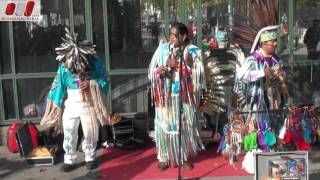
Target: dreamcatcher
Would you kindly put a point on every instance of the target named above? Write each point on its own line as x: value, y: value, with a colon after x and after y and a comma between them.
x: 231, y: 143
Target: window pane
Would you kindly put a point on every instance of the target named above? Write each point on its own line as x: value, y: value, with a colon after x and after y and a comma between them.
x: 284, y: 41
x: 214, y: 21
x: 5, y: 62
x: 192, y: 21
x: 173, y: 11
x: 134, y: 30
x: 152, y: 24
x: 8, y: 99
x: 97, y: 23
x: 30, y: 95
x: 79, y: 19
x: 306, y: 36
x: 303, y: 83
x: 306, y: 33
x: 129, y: 93
x: 34, y: 42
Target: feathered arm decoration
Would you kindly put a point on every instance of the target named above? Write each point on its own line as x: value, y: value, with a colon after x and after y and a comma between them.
x: 101, y: 76
x: 198, y: 72
x: 54, y: 104
x: 157, y: 83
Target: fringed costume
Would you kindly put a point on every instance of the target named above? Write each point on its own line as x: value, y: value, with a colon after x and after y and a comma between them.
x: 259, y: 82
x: 165, y: 93
x: 67, y: 104
x: 251, y: 75
x: 258, y: 93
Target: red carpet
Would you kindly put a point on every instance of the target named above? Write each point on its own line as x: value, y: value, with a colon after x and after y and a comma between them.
x: 119, y: 164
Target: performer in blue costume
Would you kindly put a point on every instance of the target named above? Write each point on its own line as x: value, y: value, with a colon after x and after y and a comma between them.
x: 164, y: 72
x: 78, y: 94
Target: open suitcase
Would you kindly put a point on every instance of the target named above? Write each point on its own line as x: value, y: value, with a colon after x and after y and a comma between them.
x: 25, y: 148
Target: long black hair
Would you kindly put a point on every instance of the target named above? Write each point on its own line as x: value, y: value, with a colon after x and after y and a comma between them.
x: 181, y: 30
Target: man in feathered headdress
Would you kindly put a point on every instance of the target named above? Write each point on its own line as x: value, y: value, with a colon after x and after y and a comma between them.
x: 259, y: 78
x: 262, y: 70
x: 260, y: 75
x: 78, y: 94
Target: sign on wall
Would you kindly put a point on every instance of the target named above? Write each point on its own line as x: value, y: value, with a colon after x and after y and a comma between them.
x: 20, y: 10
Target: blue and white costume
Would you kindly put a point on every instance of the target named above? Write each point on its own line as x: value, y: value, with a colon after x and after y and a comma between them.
x: 167, y: 110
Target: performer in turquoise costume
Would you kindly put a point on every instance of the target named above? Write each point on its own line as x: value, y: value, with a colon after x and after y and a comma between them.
x: 65, y: 80
x: 164, y: 72
x: 78, y: 94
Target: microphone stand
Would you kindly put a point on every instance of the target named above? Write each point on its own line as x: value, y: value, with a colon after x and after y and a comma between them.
x: 180, y: 55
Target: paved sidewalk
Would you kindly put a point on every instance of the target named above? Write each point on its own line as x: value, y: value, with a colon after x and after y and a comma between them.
x: 12, y: 167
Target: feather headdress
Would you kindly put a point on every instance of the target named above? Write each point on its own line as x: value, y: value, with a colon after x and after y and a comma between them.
x: 75, y: 54
x: 262, y: 16
x: 247, y: 30
x: 251, y: 28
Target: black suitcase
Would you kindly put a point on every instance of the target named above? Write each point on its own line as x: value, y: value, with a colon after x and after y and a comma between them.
x: 25, y: 148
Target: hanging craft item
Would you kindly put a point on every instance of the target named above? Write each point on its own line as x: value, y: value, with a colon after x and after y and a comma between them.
x: 236, y: 133
x: 283, y: 129
x: 314, y: 115
x: 250, y: 142
x: 224, y: 142
x: 250, y: 139
x: 288, y: 138
x: 232, y: 140
x: 306, y: 127
x: 261, y: 132
x: 269, y: 139
x: 299, y: 129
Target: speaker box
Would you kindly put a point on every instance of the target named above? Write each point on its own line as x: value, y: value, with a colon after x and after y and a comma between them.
x: 151, y: 112
x: 132, y: 132
x: 140, y: 125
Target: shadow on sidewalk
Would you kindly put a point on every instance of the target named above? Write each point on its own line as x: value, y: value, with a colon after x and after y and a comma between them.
x: 15, y: 164
x: 314, y: 176
x: 93, y: 174
x: 8, y: 167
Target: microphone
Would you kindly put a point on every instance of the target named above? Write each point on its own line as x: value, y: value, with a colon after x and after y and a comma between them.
x: 170, y: 55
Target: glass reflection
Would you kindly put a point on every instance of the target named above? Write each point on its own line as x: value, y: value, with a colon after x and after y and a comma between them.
x: 37, y: 90
x: 34, y: 42
x: 135, y: 28
x: 97, y: 27
x: 214, y: 24
x: 5, y: 62
x: 9, y: 109
x: 306, y: 47
x: 129, y: 93
x: 79, y: 18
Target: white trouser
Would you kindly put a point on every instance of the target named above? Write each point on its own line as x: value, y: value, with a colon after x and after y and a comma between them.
x: 74, y: 112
